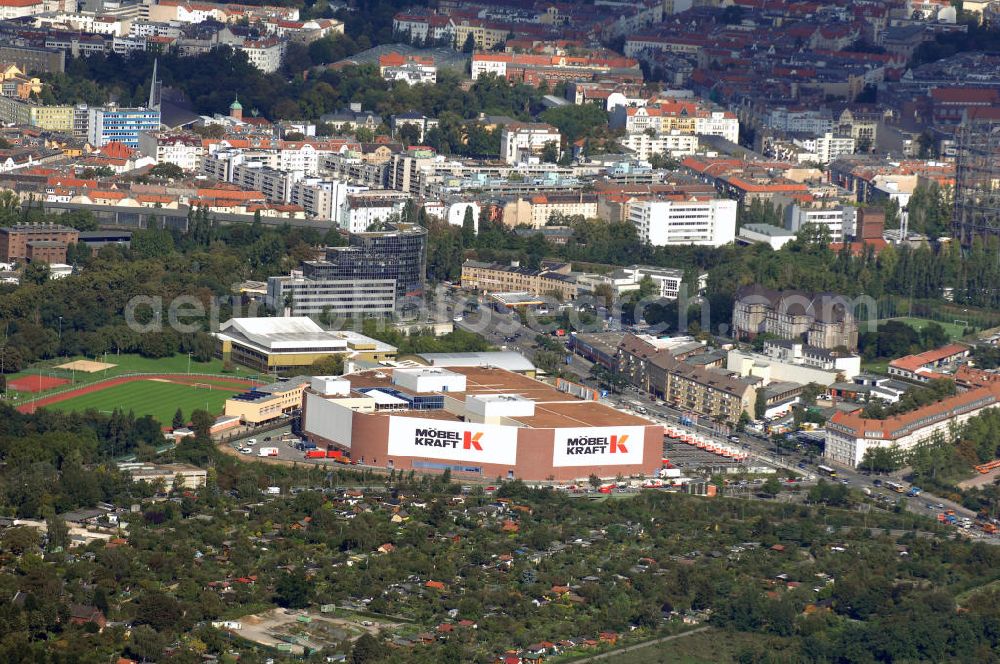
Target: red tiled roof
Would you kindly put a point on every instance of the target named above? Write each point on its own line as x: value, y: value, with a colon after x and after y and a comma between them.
x: 914, y: 362
x: 900, y: 425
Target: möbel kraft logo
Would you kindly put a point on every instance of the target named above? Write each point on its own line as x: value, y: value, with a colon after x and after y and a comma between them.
x: 469, y: 440
x: 455, y: 441
x: 598, y: 446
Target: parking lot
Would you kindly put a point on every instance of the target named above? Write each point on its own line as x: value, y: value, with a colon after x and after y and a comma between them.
x: 281, y: 439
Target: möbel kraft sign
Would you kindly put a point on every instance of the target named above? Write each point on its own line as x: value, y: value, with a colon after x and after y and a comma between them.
x: 598, y: 446
x: 452, y: 441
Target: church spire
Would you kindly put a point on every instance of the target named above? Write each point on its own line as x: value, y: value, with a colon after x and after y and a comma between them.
x: 154, y: 88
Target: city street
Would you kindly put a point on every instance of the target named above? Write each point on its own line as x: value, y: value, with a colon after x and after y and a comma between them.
x: 506, y: 331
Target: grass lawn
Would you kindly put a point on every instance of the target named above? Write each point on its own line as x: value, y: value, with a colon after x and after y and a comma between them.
x: 954, y: 331
x: 878, y: 366
x: 125, y: 364
x: 161, y: 400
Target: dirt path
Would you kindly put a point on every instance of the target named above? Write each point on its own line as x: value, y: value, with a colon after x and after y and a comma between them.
x: 233, y: 384
x: 639, y: 646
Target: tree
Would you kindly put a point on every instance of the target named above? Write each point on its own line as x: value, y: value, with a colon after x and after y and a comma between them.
x: 158, y: 610
x: 57, y: 532
x: 201, y: 423
x: 36, y: 272
x: 19, y: 540
x: 178, y: 420
x: 760, y: 404
x: 550, y: 152
x: 881, y: 460
x: 146, y: 644
x: 331, y: 365
x: 293, y: 590
x: 470, y: 44
x: 772, y: 487
x: 368, y: 649
x: 409, y: 134
x: 167, y: 170
x: 594, y: 480
x: 468, y: 228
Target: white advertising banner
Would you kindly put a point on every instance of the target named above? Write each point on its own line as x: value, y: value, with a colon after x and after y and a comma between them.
x: 452, y: 441
x: 598, y: 446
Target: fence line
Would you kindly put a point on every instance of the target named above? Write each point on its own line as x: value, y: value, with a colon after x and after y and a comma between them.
x: 74, y: 388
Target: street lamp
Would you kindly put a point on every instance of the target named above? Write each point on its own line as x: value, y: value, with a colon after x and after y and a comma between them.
x: 60, y: 334
x: 189, y: 362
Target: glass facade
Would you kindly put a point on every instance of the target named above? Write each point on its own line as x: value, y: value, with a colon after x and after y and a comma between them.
x: 400, y: 254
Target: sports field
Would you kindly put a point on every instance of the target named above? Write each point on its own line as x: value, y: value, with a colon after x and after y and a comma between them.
x: 954, y: 331
x: 48, y: 372
x: 157, y: 397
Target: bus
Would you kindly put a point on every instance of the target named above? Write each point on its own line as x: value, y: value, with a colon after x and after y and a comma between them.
x: 895, y: 486
x: 826, y: 470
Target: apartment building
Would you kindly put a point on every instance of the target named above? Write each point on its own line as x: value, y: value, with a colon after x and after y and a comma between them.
x: 11, y: 9
x: 521, y: 140
x: 274, y: 184
x: 500, y: 278
x: 838, y: 220
x: 824, y: 320
x: 663, y: 372
x: 322, y: 199
x: 685, y: 116
x: 671, y: 144
x: 538, y: 210
x: 533, y: 68
x: 17, y: 111
x: 264, y: 54
x: 683, y: 222
x: 850, y: 435
x: 810, y: 121
x: 362, y: 210
x: 184, y: 150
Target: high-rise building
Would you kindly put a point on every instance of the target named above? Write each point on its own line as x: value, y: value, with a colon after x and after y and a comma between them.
x: 400, y: 254
x: 977, y: 175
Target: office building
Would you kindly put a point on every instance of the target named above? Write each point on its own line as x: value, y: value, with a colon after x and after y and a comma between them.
x: 399, y: 254
x: 296, y: 295
x: 121, y: 125
x: 510, y: 278
x: 701, y: 222
x: 268, y: 402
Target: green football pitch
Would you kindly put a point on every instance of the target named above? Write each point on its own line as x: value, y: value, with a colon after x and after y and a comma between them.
x: 151, y: 397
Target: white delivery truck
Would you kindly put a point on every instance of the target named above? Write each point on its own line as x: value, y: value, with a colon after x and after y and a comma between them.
x: 267, y: 451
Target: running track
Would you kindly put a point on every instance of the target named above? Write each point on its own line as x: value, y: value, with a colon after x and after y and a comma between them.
x: 233, y: 384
